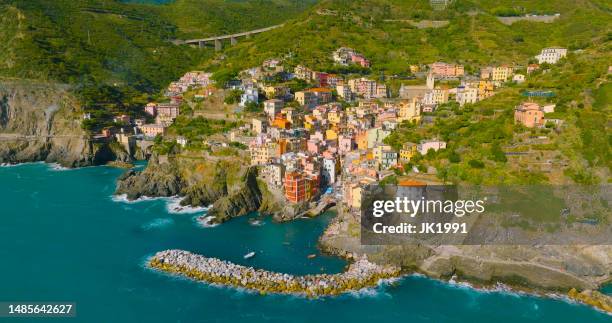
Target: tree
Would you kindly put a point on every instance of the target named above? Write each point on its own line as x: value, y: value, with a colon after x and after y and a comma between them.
x: 233, y: 97
x: 476, y: 163
x: 453, y: 157
x: 253, y: 107
x: 497, y: 153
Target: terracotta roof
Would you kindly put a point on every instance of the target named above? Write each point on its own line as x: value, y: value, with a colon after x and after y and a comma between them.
x: 410, y: 182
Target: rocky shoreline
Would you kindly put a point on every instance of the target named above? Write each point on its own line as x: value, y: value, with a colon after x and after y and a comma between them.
x: 539, y: 270
x: 360, y: 274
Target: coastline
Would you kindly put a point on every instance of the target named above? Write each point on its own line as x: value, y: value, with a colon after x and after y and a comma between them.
x: 477, y: 285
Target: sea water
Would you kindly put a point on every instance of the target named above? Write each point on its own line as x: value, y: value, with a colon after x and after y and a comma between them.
x: 64, y: 237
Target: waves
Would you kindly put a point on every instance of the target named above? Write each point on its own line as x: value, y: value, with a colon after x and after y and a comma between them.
x: 205, y: 221
x: 173, y: 204
x: 57, y: 167
x: 19, y: 164
x: 122, y: 198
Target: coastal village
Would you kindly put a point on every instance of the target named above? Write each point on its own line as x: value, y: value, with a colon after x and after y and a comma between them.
x: 327, y: 141
x: 280, y: 158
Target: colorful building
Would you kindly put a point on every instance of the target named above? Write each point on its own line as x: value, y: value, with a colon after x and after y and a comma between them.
x: 529, y: 114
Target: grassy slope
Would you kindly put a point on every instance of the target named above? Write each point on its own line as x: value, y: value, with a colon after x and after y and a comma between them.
x: 95, y: 42
x: 201, y: 18
x: 472, y: 40
x: 113, y: 50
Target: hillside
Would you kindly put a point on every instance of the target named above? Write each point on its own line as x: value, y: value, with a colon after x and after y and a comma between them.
x: 116, y: 51
x: 380, y: 29
x: 201, y: 18
x: 478, y: 135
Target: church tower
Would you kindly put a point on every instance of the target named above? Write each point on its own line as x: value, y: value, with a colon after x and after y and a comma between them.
x: 431, y: 80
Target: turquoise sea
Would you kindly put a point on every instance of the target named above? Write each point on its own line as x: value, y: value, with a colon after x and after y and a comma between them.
x: 64, y: 238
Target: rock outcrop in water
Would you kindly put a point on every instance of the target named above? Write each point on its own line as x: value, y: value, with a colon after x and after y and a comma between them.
x: 360, y: 274
x: 42, y: 122
x: 157, y: 180
x: 593, y: 298
x: 228, y: 184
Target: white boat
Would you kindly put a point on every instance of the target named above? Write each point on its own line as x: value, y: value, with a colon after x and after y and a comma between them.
x: 254, y: 222
x: 249, y: 255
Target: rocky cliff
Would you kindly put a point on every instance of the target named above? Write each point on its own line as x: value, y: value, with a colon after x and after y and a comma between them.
x: 41, y: 122
x: 226, y: 183
x: 544, y: 267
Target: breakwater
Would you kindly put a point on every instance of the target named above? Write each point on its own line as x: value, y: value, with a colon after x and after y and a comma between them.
x: 360, y: 274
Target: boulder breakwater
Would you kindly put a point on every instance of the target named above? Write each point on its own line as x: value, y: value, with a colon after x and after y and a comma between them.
x: 360, y: 274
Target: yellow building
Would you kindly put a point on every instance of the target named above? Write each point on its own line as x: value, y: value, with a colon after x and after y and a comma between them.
x: 309, y: 122
x: 409, y: 110
x: 501, y: 73
x: 334, y: 117
x: 485, y: 89
x: 356, y: 196
x: 362, y: 140
x: 408, y: 151
x: 331, y: 134
x: 306, y: 98
x: 262, y: 154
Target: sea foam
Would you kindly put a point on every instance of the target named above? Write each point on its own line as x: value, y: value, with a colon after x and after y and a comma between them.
x: 158, y: 223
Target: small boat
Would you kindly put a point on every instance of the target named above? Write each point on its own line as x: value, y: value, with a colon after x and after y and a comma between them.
x: 249, y: 255
x: 312, y: 256
x: 255, y: 222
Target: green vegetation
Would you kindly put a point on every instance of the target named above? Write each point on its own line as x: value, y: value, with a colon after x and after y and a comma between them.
x: 233, y: 97
x: 376, y: 29
x: 196, y: 129
x: 113, y: 54
x: 204, y: 18
x: 479, y: 136
x: 118, y: 54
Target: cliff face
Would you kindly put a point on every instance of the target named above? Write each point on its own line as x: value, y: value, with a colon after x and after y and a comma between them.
x: 247, y: 198
x: 226, y: 183
x: 41, y: 122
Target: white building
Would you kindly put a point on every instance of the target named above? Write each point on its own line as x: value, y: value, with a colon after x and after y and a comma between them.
x: 273, y: 174
x: 272, y: 107
x: 250, y: 94
x: 466, y: 95
x: 344, y: 91
x: 181, y: 141
x: 551, y: 55
x: 518, y: 78
x: 330, y: 170
x: 425, y: 145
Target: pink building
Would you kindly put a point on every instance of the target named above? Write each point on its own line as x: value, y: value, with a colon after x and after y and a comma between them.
x: 359, y: 59
x: 345, y: 144
x: 151, y: 108
x: 447, y: 70
x: 434, y: 144
x: 529, y: 114
x: 313, y: 146
x: 168, y: 110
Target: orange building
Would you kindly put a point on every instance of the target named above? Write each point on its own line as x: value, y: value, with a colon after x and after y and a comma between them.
x: 280, y: 121
x: 299, y: 188
x: 529, y: 114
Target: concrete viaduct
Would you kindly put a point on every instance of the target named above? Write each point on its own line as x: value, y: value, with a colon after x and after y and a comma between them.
x: 217, y: 40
